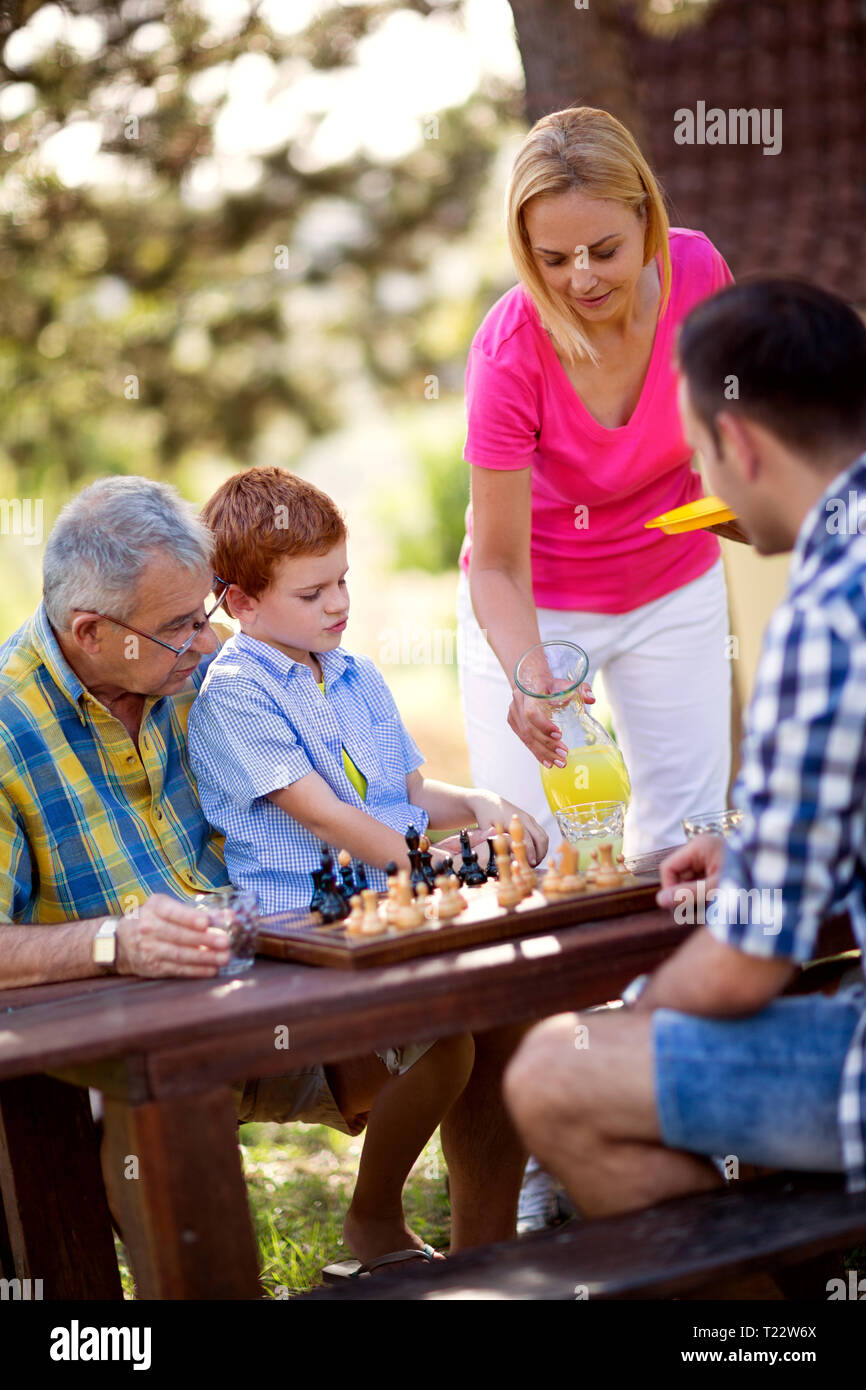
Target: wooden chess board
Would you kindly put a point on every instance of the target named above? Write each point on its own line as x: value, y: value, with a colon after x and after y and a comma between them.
x: 298, y: 936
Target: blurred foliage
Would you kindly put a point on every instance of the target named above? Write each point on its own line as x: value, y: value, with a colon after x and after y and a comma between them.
x: 427, y: 522
x: 149, y: 320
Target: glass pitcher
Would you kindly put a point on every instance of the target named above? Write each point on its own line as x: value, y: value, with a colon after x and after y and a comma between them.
x: 594, y: 772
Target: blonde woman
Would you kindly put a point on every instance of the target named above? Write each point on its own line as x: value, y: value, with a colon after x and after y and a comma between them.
x: 574, y: 441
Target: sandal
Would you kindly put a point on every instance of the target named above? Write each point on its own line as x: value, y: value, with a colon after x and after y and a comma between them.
x: 353, y: 1269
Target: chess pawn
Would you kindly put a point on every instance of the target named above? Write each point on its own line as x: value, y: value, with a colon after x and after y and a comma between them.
x: 528, y: 876
x: 360, y: 874
x: 508, y: 893
x: 451, y: 902
x: 608, y: 875
x: 407, y: 913
x: 355, y: 920
x: 551, y: 884
x: 422, y: 900
x: 571, y: 881
x: 372, y: 924
x: 592, y: 871
x: 446, y: 869
x: 391, y: 901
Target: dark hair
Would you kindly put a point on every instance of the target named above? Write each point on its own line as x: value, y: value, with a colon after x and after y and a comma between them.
x: 786, y: 354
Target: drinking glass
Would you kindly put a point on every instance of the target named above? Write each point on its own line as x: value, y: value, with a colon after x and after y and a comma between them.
x: 592, y: 825
x: 712, y: 823
x: 236, y: 912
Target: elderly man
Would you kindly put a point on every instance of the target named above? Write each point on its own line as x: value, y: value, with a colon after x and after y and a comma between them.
x: 103, y: 842
x: 707, y: 1060
x: 100, y: 826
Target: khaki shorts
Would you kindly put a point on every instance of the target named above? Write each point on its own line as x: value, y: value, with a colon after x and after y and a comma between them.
x: 304, y: 1096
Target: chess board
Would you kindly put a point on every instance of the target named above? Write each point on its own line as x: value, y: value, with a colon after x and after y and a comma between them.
x: 298, y: 936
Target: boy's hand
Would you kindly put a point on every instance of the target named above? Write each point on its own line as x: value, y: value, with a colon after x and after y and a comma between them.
x: 491, y: 810
x: 452, y: 847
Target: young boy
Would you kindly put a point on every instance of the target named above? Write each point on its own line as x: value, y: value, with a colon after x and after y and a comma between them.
x: 293, y: 743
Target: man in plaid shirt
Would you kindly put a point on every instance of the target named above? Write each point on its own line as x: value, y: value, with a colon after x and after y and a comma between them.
x: 706, y: 1059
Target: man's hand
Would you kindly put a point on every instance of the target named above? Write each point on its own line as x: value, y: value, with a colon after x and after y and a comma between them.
x: 698, y: 858
x: 168, y: 937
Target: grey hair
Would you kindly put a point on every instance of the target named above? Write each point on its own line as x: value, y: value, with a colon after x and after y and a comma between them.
x: 104, y: 539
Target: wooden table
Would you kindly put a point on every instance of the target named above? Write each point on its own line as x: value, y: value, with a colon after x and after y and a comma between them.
x: 165, y: 1053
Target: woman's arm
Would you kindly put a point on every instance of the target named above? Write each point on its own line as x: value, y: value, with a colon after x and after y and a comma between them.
x: 500, y: 575
x: 500, y: 583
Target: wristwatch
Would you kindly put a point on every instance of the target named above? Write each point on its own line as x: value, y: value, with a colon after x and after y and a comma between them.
x: 105, y: 944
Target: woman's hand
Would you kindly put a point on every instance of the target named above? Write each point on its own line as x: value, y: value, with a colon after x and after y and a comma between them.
x: 534, y: 728
x: 698, y: 858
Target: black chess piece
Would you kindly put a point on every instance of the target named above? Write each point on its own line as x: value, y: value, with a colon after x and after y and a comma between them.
x: 426, y: 861
x: 333, y: 907
x: 360, y: 876
x: 392, y: 870
x: 446, y: 867
x: 416, y: 874
x: 491, y: 871
x: 470, y: 873
x: 316, y: 876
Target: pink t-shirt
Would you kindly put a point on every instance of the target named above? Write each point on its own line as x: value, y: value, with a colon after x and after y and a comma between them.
x: 592, y: 488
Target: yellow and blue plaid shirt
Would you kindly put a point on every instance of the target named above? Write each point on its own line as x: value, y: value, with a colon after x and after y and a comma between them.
x: 90, y: 823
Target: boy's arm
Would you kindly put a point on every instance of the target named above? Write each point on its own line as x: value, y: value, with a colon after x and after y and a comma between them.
x: 312, y: 803
x: 449, y: 806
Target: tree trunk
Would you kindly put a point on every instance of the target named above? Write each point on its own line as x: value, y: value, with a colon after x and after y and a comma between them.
x: 575, y: 57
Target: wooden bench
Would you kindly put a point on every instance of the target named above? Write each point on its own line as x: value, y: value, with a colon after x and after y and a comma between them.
x: 793, y: 1225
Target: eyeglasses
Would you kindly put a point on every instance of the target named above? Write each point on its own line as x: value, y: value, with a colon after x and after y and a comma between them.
x: 221, y: 588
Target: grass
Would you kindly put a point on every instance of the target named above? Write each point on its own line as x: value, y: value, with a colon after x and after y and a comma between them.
x: 300, y: 1180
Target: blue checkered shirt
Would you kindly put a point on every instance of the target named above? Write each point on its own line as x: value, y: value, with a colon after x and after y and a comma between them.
x: 802, y: 783
x: 261, y: 723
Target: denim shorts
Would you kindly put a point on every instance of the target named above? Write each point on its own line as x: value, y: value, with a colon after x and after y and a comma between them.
x: 764, y: 1089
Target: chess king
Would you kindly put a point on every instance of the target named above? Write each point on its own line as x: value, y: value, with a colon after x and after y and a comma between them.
x: 295, y: 744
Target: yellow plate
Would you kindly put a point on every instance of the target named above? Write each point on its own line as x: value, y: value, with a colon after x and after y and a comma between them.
x: 707, y: 511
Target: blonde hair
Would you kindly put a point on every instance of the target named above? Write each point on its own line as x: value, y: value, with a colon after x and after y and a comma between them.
x: 587, y: 149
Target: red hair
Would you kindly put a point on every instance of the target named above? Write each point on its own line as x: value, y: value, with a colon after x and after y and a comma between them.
x: 260, y: 515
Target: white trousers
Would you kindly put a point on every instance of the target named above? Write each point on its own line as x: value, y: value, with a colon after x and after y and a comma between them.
x: 667, y: 678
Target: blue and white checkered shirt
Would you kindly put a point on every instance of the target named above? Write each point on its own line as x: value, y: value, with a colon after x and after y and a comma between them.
x: 261, y: 723
x: 802, y: 784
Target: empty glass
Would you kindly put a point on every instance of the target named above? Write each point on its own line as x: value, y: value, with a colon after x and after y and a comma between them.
x: 589, y: 827
x: 712, y: 823
x: 236, y: 912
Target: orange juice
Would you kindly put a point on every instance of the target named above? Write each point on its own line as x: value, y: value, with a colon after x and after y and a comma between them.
x: 590, y: 774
